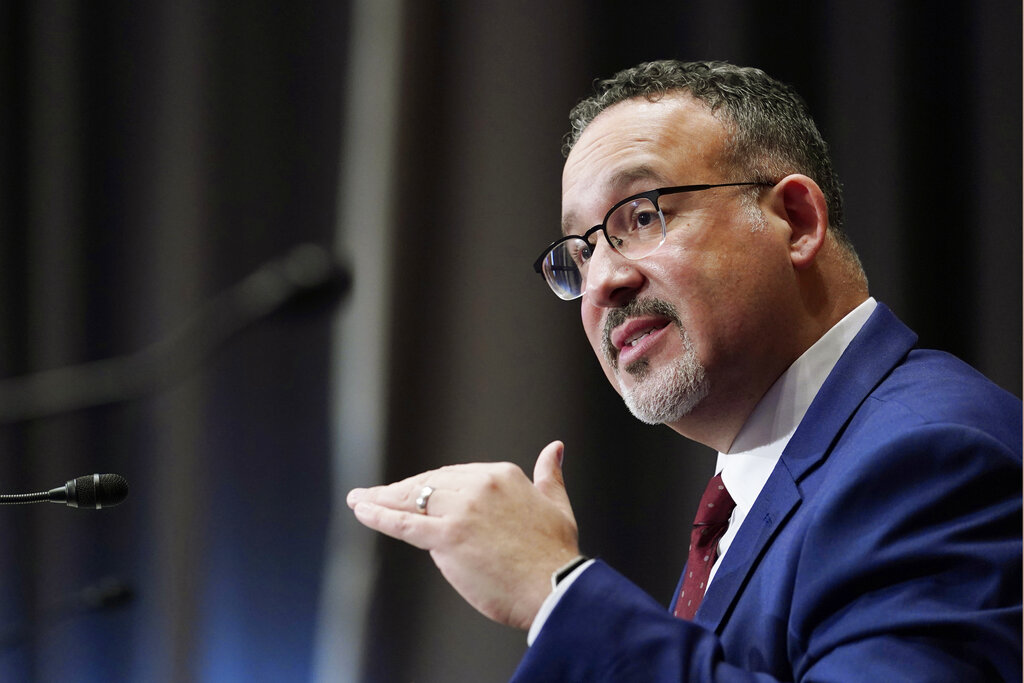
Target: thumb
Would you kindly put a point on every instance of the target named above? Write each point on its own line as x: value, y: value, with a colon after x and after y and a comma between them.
x: 547, y: 474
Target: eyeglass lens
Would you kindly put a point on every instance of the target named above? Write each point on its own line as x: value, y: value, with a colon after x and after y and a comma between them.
x: 635, y: 230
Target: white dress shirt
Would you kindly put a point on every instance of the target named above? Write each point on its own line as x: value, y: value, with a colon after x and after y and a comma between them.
x: 760, y: 442
x: 764, y: 436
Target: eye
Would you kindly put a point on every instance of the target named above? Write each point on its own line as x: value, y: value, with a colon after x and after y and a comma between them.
x: 645, y: 219
x: 637, y: 218
x: 580, y: 252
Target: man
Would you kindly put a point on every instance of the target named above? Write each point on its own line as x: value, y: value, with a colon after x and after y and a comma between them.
x: 865, y: 523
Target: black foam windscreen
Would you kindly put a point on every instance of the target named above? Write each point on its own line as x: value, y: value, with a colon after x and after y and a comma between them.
x: 97, y: 490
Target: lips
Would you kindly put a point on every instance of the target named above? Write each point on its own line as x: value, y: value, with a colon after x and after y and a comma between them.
x: 634, y: 338
x: 632, y: 331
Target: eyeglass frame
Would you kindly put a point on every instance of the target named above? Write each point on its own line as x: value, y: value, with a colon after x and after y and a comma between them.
x: 651, y: 196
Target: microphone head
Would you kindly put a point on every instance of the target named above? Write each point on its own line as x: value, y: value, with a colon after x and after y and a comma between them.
x: 110, y: 592
x: 97, y: 491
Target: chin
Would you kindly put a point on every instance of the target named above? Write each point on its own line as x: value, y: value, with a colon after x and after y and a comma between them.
x: 667, y: 394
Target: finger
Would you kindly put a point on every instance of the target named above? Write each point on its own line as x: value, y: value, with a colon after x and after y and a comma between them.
x: 547, y: 474
x: 435, y: 504
x: 415, y: 529
x: 399, y: 495
x: 402, y: 495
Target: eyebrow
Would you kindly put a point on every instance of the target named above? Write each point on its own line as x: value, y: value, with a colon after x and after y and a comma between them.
x: 628, y: 176
x: 620, y: 179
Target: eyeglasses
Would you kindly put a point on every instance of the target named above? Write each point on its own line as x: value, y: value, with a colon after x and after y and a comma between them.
x: 634, y: 228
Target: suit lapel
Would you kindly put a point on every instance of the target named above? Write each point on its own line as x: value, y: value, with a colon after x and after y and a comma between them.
x: 778, y: 499
x: 878, y: 347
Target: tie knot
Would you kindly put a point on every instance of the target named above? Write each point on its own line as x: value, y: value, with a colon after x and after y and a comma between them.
x: 716, y: 504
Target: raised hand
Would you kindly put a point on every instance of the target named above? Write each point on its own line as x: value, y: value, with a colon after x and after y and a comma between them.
x: 495, y: 535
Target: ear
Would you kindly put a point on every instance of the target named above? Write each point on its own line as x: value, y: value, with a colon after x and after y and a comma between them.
x: 801, y: 204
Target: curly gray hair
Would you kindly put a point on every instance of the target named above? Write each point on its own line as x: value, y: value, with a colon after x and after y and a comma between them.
x: 772, y: 133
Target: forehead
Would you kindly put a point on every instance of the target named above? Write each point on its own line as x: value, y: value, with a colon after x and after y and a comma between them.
x: 637, y: 145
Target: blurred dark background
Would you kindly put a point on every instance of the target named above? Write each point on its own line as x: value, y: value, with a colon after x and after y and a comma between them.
x: 155, y: 153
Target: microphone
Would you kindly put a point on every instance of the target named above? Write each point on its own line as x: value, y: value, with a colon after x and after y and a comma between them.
x: 306, y: 278
x: 95, y: 491
x: 107, y: 594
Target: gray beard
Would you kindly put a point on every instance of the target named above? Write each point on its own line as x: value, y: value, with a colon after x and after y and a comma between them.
x: 666, y: 394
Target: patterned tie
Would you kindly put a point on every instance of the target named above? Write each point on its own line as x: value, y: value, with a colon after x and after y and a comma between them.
x: 712, y: 519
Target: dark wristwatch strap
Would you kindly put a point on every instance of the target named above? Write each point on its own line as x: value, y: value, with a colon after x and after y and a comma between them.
x: 560, y: 574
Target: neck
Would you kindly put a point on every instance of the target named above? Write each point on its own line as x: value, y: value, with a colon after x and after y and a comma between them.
x: 719, y: 418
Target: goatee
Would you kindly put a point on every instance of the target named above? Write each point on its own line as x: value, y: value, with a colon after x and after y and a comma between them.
x: 658, y: 395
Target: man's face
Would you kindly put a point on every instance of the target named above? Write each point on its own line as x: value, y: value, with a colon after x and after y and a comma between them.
x: 686, y: 326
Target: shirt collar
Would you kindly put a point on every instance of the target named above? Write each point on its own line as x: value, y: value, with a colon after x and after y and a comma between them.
x: 762, y: 439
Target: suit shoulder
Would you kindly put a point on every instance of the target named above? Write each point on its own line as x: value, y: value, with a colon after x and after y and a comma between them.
x: 933, y: 388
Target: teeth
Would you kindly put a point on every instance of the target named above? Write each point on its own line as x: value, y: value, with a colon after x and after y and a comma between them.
x: 637, y: 340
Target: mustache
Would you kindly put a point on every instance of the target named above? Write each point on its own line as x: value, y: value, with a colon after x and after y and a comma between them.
x: 634, y: 308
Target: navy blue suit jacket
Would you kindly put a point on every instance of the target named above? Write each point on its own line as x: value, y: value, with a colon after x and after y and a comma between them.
x: 886, y: 545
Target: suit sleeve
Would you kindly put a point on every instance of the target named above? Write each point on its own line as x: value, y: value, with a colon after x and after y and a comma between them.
x: 605, y: 628
x: 905, y: 565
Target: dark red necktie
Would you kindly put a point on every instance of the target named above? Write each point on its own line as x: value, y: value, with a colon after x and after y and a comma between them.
x: 710, y: 523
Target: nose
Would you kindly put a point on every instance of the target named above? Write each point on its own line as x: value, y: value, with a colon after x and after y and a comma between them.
x: 612, y: 280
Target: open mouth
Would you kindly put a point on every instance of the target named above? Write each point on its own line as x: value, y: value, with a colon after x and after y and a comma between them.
x: 637, y: 337
x: 633, y: 330
x: 634, y: 339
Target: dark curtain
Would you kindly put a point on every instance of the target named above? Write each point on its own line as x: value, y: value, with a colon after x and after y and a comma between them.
x: 153, y: 154
x: 921, y: 104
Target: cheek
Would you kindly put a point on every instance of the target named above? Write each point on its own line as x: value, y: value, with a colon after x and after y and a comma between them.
x: 591, y: 317
x: 593, y: 327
